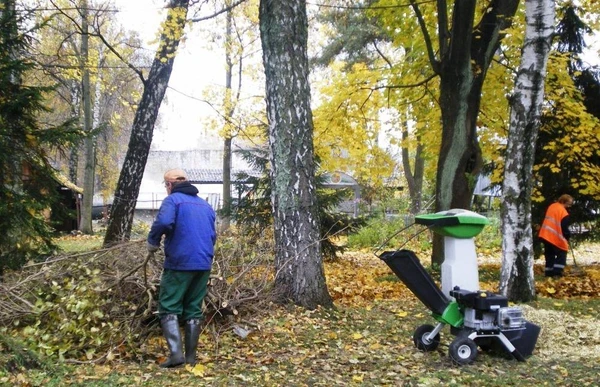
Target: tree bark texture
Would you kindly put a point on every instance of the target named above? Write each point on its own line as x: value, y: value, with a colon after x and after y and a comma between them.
x: 516, y: 278
x: 89, y: 177
x: 74, y: 155
x: 229, y: 109
x: 298, y: 261
x: 466, y: 52
x: 227, y: 152
x: 155, y: 86
x: 414, y: 179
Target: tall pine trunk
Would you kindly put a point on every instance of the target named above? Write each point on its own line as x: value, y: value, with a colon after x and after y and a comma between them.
x: 516, y: 279
x: 300, y: 275
x: 155, y: 86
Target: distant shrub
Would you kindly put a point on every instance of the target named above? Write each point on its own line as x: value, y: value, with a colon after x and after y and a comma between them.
x: 377, y: 230
x: 491, y: 236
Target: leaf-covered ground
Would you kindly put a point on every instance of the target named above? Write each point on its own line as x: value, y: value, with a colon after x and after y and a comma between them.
x: 367, y: 340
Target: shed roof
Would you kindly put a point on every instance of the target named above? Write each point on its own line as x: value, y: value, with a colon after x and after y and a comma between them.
x: 64, y: 181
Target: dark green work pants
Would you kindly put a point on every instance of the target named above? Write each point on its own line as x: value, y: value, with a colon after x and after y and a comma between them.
x: 182, y: 292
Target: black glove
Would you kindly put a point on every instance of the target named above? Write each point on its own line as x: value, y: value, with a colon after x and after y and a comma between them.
x: 151, y: 248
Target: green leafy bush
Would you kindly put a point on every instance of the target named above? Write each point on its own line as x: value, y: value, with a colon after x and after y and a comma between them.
x: 396, y: 229
x: 491, y: 236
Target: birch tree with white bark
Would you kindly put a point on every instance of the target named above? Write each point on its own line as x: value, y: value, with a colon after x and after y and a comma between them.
x: 517, y: 281
x: 155, y: 86
x: 300, y: 275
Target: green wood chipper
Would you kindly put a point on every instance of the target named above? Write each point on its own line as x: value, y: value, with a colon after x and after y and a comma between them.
x: 478, y: 319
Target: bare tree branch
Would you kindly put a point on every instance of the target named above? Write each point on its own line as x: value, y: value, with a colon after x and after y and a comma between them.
x: 435, y: 64
x: 223, y: 10
x: 99, y: 35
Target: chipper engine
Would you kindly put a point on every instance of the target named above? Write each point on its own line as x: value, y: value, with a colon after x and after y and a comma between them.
x: 477, y: 318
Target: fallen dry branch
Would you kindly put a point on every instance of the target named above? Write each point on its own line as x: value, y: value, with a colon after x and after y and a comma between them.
x: 107, y: 299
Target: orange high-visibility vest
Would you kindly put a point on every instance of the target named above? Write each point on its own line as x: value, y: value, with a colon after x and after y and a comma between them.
x: 551, y: 231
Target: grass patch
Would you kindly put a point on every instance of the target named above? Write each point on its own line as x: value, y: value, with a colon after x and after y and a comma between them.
x: 388, y: 278
x: 79, y: 243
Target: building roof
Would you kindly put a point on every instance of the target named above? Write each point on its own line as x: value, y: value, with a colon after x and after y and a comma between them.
x: 215, y: 176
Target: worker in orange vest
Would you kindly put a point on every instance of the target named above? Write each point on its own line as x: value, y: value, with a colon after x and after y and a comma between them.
x: 555, y: 235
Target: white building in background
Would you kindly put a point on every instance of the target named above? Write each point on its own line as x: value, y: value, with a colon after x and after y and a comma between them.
x: 152, y: 190
x: 205, y: 171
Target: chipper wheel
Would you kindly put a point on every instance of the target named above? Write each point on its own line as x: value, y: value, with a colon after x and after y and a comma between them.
x: 462, y: 350
x: 420, y: 338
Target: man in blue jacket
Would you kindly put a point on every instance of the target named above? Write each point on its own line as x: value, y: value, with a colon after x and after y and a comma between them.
x: 188, y: 224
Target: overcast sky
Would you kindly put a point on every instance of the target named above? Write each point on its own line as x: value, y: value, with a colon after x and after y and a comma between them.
x: 194, y: 70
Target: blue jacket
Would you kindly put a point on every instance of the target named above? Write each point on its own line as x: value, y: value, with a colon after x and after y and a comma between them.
x: 188, y: 223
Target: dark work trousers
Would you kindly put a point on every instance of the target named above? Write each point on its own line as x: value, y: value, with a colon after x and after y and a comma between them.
x: 556, y: 259
x: 182, y: 292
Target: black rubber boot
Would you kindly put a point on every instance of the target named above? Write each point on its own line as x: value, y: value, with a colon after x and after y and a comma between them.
x: 170, y: 328
x: 192, y: 333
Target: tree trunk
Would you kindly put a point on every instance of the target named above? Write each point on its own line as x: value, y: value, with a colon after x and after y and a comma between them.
x: 459, y: 152
x: 74, y: 155
x: 300, y: 275
x: 466, y: 52
x: 516, y: 279
x: 414, y: 178
x: 155, y: 86
x: 90, y: 155
x: 96, y: 115
x: 225, y: 218
x: 225, y: 214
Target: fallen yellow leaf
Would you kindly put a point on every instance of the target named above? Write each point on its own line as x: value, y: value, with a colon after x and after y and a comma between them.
x: 358, y: 378
x: 198, y: 370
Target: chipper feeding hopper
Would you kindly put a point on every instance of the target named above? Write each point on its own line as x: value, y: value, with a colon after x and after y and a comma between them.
x: 458, y: 227
x: 477, y: 318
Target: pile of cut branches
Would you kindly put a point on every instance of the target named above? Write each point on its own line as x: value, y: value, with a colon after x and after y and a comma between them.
x: 102, y: 304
